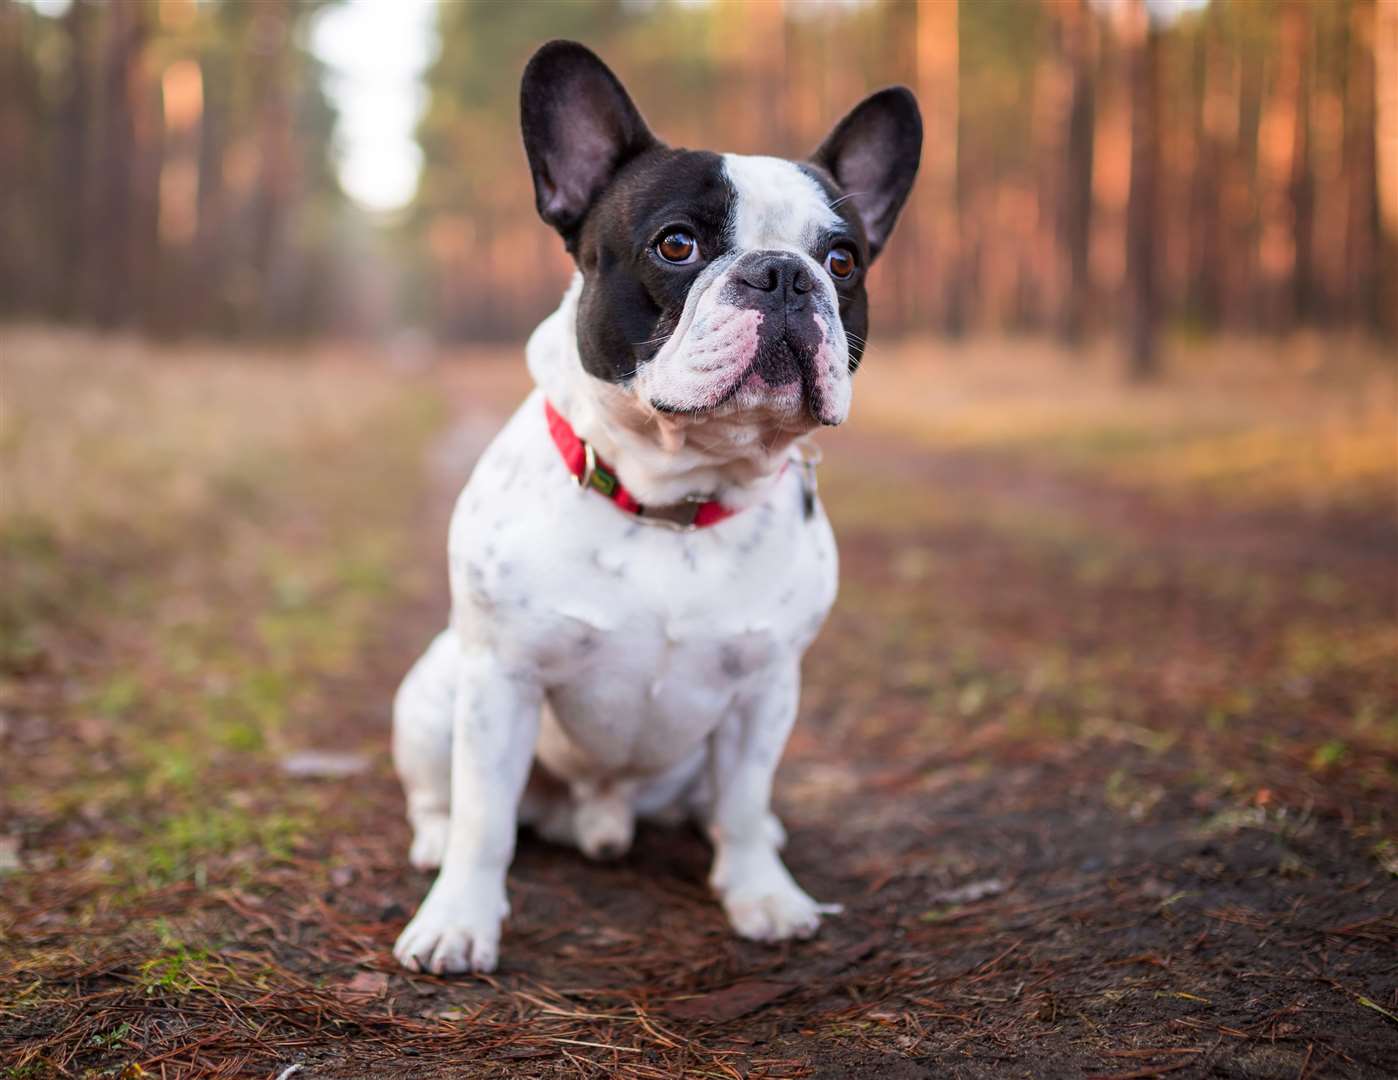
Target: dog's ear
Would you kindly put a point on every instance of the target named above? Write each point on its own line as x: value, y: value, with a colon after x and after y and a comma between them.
x: 579, y: 127
x: 873, y: 154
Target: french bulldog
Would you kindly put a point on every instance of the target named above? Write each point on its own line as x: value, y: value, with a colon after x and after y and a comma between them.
x: 639, y: 559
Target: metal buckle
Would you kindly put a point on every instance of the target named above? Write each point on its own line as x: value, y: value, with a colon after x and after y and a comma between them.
x: 684, y: 513
x: 584, y: 478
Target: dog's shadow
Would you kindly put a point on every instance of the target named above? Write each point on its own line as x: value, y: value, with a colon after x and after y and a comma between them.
x: 648, y: 916
x: 648, y: 913
x: 666, y: 865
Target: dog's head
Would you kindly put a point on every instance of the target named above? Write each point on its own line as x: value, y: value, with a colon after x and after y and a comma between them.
x: 715, y: 283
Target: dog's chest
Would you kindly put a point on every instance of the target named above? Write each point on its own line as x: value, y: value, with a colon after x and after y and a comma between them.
x: 644, y: 638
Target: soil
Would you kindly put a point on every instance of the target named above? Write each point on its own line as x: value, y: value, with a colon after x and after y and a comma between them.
x: 1055, y: 859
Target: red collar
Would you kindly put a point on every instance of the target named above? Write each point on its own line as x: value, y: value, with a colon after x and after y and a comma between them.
x: 591, y: 471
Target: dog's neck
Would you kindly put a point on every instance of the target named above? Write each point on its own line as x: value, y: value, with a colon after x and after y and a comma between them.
x: 662, y: 459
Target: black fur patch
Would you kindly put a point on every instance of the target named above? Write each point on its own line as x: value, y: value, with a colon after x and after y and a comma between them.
x: 632, y: 299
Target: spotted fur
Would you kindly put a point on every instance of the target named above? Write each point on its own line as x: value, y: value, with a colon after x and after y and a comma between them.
x: 596, y: 668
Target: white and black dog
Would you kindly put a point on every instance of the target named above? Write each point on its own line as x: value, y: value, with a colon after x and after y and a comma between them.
x: 639, y: 561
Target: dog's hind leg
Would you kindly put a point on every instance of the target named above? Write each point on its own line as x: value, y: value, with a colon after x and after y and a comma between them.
x: 422, y: 719
x: 686, y: 794
x: 547, y: 807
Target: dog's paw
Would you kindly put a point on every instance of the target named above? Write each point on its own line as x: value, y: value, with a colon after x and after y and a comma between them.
x: 775, y: 916
x: 762, y: 901
x: 604, y: 827
x: 453, y: 932
x: 429, y: 842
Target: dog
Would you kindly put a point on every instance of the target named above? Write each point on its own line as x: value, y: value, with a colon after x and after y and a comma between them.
x: 639, y: 559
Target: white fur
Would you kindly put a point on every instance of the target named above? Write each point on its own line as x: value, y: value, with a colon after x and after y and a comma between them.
x: 638, y: 671
x: 778, y: 207
x: 629, y: 658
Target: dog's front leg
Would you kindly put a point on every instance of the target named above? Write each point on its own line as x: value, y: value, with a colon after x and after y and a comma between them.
x: 760, y: 897
x: 494, y: 730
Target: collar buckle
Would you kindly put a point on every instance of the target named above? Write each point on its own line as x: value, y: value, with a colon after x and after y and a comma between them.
x: 584, y: 478
x: 594, y: 475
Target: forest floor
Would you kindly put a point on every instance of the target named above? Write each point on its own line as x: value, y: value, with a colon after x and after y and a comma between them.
x: 1099, y: 748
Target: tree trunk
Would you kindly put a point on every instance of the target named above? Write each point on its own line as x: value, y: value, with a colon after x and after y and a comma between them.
x: 758, y: 38
x: 1143, y: 44
x: 147, y: 160
x: 112, y: 287
x: 1075, y: 217
x: 901, y: 290
x: 272, y: 253
x: 23, y: 213
x: 1385, y: 51
x: 1039, y: 256
x: 1201, y: 290
x: 935, y: 245
x: 1301, y: 188
x: 1281, y: 158
x: 72, y: 202
x: 211, y: 204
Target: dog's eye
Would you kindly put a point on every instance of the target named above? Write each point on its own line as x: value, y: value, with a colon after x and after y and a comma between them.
x: 678, y: 247
x: 841, y: 263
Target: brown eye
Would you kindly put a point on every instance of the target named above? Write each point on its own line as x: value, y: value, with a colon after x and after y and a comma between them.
x: 678, y: 247
x: 841, y: 263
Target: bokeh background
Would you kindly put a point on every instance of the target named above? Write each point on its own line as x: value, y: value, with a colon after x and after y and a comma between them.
x: 172, y: 166
x: 1099, y: 748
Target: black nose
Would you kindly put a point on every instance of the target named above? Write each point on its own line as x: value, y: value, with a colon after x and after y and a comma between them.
x: 784, y: 276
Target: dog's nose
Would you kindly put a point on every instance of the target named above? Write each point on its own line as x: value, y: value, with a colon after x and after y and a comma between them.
x: 784, y: 276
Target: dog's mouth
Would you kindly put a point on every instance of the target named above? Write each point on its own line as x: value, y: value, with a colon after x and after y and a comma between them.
x: 788, y: 366
x: 778, y: 380
x: 749, y: 388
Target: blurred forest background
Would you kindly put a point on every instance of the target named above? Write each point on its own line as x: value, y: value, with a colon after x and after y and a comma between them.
x: 1099, y: 748
x: 1091, y: 165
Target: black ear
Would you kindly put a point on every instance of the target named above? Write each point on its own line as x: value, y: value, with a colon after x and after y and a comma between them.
x: 579, y: 126
x: 873, y: 154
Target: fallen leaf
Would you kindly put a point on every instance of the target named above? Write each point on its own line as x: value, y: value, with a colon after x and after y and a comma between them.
x: 323, y: 764
x: 365, y: 986
x: 731, y: 1002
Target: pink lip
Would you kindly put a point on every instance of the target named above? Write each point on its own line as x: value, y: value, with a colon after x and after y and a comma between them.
x: 751, y: 387
x: 754, y: 380
x: 751, y: 384
x: 729, y: 374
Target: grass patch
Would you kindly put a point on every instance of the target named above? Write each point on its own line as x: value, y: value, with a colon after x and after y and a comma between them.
x: 224, y: 531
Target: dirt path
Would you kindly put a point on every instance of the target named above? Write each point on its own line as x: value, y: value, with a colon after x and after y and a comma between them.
x: 1033, y: 902
x: 1106, y: 788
